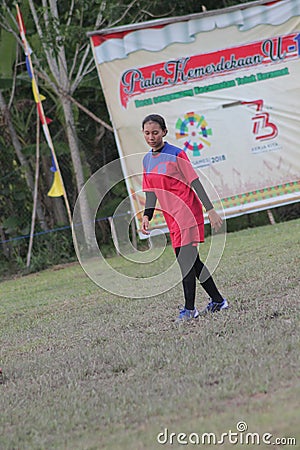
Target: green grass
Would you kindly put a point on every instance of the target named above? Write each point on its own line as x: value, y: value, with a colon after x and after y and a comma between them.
x: 84, y: 369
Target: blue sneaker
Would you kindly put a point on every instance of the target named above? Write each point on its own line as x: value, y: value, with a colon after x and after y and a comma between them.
x: 213, y: 307
x: 186, y: 314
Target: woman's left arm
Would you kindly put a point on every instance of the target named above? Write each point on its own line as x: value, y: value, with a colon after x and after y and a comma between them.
x: 214, y: 218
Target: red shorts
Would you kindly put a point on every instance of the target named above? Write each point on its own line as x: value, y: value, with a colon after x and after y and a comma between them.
x: 193, y: 235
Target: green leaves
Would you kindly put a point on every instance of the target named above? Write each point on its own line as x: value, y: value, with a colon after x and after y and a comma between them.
x: 8, y: 54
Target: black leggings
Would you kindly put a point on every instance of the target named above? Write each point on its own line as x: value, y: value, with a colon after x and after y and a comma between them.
x: 191, y: 268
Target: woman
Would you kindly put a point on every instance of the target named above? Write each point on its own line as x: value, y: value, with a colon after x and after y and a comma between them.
x: 169, y: 177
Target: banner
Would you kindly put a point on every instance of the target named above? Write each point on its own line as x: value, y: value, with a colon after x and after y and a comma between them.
x: 227, y: 83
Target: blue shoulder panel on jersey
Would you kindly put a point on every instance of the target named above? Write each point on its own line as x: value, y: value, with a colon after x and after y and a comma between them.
x: 171, y: 149
x: 168, y: 154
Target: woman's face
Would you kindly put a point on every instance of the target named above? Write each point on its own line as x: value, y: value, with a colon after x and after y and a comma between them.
x: 154, y: 134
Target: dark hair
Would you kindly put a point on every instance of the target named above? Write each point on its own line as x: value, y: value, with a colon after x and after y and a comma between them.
x: 155, y: 118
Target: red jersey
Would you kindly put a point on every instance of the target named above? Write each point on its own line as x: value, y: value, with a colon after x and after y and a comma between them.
x: 168, y: 174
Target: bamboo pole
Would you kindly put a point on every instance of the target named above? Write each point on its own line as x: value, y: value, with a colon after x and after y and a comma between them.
x: 35, y: 193
x: 45, y: 125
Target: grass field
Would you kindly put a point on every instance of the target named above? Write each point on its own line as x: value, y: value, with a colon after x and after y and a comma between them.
x: 84, y: 369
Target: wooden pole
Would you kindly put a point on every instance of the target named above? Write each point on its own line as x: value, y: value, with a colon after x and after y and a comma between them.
x: 114, y: 235
x: 133, y: 233
x: 271, y: 217
x: 43, y: 118
x: 35, y: 193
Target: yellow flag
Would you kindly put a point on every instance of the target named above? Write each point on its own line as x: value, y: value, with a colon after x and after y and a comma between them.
x: 37, y: 97
x: 57, y: 189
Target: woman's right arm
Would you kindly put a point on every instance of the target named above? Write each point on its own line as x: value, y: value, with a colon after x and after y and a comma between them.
x: 149, y: 210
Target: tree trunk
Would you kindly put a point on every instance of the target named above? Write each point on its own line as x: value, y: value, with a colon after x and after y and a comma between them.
x: 87, y: 220
x: 6, y: 245
x: 21, y: 158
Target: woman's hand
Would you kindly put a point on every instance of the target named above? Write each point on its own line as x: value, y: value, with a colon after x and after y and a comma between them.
x: 215, y: 220
x: 145, y: 225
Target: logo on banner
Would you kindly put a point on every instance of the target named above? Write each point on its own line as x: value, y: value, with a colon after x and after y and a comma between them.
x: 193, y: 128
x: 263, y: 129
